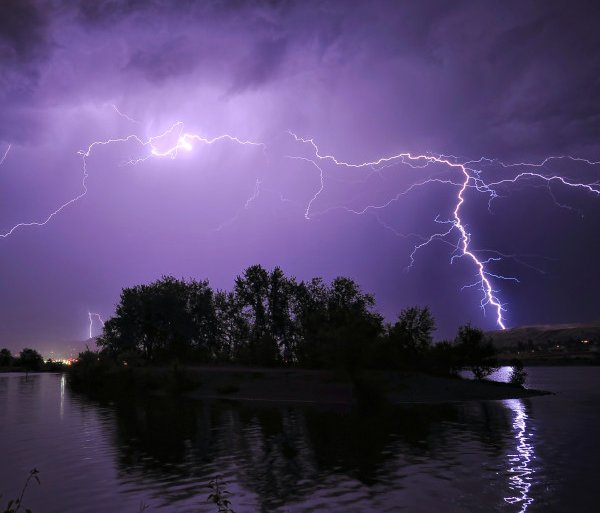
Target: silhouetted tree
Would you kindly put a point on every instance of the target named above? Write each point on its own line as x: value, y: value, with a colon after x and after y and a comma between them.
x: 443, y: 358
x: 476, y: 353
x: 311, y: 314
x: 271, y: 319
x: 281, y: 325
x: 91, y: 370
x: 251, y: 294
x: 517, y: 373
x: 30, y: 360
x: 204, y: 323
x: 410, y: 337
x: 351, y: 326
x: 265, y: 301
x: 6, y: 358
x: 166, y: 319
x: 232, y: 327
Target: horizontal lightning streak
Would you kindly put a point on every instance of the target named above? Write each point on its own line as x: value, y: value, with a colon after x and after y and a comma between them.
x: 471, y: 180
x: 184, y: 141
x: 594, y: 188
x: 469, y: 177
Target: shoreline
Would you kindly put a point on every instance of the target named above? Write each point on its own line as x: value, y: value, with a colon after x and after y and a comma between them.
x: 301, y: 386
x: 549, y: 360
x: 323, y: 387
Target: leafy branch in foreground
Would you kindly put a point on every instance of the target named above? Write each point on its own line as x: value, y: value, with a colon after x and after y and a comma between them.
x: 220, y: 496
x: 14, y: 505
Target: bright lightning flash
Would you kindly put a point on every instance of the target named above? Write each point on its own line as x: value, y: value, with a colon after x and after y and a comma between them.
x: 467, y: 176
x: 151, y: 146
x: 92, y: 316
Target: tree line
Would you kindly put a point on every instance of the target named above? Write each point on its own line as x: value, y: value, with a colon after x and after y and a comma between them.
x: 28, y: 360
x: 270, y: 319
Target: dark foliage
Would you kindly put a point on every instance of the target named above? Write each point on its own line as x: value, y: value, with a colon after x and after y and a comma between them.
x: 90, y: 371
x: 444, y: 358
x: 475, y: 352
x: 517, y: 374
x: 6, y: 358
x: 269, y: 319
x: 409, y: 340
x: 219, y: 496
x: 30, y: 360
x: 14, y: 505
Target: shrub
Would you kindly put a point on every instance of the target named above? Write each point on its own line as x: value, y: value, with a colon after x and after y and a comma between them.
x: 517, y: 374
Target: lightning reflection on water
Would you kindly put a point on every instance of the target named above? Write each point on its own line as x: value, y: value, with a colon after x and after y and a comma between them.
x: 520, y: 468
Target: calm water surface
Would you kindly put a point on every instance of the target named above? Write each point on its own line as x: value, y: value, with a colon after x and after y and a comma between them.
x: 530, y: 455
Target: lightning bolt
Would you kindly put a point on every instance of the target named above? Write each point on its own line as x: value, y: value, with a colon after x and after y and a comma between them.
x: 55, y: 212
x: 255, y: 194
x: 123, y: 115
x: 151, y: 147
x: 91, y: 316
x: 321, y: 178
x: 5, y: 154
x: 594, y: 187
x: 467, y: 178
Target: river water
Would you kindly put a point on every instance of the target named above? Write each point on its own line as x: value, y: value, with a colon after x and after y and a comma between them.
x: 535, y: 455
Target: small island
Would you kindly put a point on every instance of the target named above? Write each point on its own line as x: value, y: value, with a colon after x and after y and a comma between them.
x: 275, y: 339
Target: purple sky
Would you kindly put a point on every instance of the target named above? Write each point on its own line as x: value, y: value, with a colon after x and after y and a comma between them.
x: 512, y: 80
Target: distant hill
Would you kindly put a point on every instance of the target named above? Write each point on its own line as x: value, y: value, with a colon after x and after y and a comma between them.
x: 546, y: 334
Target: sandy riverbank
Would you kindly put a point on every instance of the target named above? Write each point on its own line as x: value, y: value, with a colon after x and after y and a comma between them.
x: 328, y: 387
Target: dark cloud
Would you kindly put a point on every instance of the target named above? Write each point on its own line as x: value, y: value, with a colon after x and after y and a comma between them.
x: 554, y: 74
x: 260, y: 65
x: 25, y: 42
x: 23, y: 30
x: 169, y: 59
x: 518, y: 73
